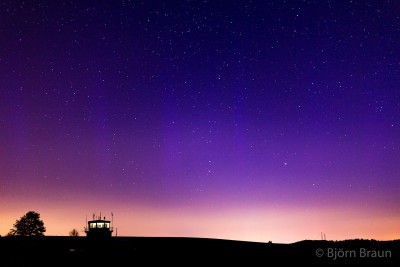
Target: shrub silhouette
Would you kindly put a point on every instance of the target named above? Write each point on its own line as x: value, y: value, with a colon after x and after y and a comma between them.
x: 29, y: 225
x: 74, y: 232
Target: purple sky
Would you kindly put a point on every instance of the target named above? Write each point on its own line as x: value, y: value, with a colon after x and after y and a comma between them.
x: 215, y: 106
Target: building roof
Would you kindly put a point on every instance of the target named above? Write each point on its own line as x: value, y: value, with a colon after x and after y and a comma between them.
x: 98, y: 221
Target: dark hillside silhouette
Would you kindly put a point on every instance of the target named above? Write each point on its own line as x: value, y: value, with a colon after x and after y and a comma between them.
x: 130, y: 251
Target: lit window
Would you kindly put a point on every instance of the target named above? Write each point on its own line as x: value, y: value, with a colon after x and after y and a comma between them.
x: 100, y: 225
x: 92, y: 225
x: 106, y: 225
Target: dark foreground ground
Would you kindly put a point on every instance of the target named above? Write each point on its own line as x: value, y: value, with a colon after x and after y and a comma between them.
x: 143, y: 251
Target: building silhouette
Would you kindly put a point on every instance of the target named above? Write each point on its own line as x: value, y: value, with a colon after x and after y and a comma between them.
x: 99, y: 228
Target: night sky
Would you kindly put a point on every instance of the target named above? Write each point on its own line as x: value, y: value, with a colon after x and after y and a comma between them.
x: 248, y: 120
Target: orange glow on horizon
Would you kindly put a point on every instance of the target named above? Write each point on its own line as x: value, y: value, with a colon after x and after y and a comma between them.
x: 279, y: 225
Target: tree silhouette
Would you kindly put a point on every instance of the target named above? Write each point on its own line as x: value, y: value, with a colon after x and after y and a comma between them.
x: 29, y: 225
x: 74, y: 232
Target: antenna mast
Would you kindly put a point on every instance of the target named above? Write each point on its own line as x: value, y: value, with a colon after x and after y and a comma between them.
x: 323, y: 236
